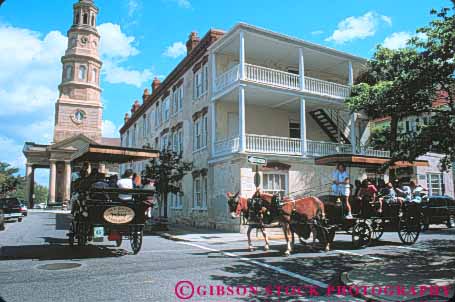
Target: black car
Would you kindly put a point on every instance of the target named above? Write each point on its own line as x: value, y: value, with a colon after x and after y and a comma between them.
x: 11, y: 208
x: 438, y: 210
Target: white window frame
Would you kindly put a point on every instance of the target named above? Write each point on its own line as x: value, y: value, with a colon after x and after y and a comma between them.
x: 440, y: 183
x: 180, y: 98
x: 200, y: 82
x: 204, y: 189
x: 274, y: 190
x: 200, y: 133
x: 165, y: 109
x: 197, y: 194
x: 180, y: 139
x: 164, y: 141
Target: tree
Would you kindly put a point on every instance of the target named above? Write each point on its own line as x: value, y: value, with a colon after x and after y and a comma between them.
x: 167, y: 171
x: 405, y: 82
x: 9, y: 181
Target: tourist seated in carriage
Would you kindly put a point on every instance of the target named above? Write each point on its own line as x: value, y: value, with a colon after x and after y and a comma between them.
x: 389, y: 196
x: 417, y: 192
x: 367, y: 192
x: 126, y: 182
x: 404, y: 192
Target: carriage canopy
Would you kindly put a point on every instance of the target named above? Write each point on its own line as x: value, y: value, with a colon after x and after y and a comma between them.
x: 112, y: 154
x: 363, y: 161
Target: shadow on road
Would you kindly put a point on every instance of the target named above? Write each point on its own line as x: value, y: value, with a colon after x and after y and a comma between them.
x: 58, y: 252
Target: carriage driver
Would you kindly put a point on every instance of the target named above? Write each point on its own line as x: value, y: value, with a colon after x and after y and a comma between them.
x: 341, y: 186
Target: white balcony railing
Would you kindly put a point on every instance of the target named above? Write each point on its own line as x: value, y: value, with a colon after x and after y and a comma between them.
x: 273, y: 144
x: 227, y: 78
x: 226, y: 146
x: 282, y: 79
x: 315, y: 148
x: 290, y: 146
x: 326, y: 88
x: 272, y: 77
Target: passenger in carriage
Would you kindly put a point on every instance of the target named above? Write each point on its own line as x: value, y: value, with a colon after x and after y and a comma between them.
x: 126, y: 182
x: 404, y: 192
x: 417, y: 192
x: 389, y: 196
x: 367, y: 192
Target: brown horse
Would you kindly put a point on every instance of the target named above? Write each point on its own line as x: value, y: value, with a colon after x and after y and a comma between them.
x: 308, y: 210
x: 239, y: 205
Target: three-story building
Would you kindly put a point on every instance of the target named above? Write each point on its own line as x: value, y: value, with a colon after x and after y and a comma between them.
x: 250, y: 91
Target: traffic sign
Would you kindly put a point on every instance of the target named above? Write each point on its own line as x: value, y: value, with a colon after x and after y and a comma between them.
x: 257, y: 160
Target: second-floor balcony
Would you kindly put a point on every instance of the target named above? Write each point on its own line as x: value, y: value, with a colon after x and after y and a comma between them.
x: 280, y: 79
x: 265, y: 144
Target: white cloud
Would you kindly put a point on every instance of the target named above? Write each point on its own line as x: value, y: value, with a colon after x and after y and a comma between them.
x: 109, y: 129
x: 133, y: 6
x: 397, y: 40
x: 361, y: 27
x: 114, y: 43
x: 30, y: 69
x: 182, y: 3
x: 176, y: 50
x: 317, y: 32
x: 115, y: 48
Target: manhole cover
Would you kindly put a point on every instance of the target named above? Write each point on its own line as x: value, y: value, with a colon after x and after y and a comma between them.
x: 58, y: 266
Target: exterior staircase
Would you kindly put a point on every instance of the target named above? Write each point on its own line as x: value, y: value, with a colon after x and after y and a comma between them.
x: 327, y: 123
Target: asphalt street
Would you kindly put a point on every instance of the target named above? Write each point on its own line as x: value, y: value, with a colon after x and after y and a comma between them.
x: 37, y: 264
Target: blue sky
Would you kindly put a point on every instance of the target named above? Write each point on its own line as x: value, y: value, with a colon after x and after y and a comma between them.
x: 141, y: 39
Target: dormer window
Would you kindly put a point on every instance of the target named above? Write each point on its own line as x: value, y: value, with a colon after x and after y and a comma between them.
x: 82, y: 72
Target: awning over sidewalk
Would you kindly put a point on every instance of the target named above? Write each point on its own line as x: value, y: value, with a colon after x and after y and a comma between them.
x: 113, y: 154
x: 364, y: 161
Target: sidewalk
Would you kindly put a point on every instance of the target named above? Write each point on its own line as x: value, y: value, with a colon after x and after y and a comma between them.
x: 192, y: 234
x: 423, y: 276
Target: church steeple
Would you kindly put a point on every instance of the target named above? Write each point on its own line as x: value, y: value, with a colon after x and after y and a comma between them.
x: 79, y: 108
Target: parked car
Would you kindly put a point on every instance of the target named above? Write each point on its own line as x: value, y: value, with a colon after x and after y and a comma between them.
x: 2, y: 220
x: 40, y: 206
x: 11, y: 208
x: 24, y: 209
x: 438, y: 210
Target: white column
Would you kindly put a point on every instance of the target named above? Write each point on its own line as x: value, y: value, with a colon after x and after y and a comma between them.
x: 213, y: 126
x: 242, y: 56
x: 67, y: 191
x: 353, y: 134
x: 350, y: 74
x: 52, y: 180
x: 303, y: 127
x: 242, y: 142
x: 29, y: 183
x: 213, y: 72
x: 301, y: 69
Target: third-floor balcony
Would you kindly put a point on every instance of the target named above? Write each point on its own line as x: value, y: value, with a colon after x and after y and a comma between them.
x: 280, y: 79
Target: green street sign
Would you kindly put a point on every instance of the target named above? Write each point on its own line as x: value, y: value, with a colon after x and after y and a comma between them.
x: 257, y: 160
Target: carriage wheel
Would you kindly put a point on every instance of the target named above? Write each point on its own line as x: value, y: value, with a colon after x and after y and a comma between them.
x: 136, y: 241
x: 322, y: 235
x: 409, y: 230
x: 361, y: 235
x: 377, y: 227
x: 118, y: 242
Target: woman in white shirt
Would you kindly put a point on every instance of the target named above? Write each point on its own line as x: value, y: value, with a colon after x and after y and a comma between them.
x: 341, y: 186
x: 126, y: 182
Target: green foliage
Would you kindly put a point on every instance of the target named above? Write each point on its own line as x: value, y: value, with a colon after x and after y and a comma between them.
x: 9, y: 181
x: 405, y: 82
x: 379, y: 138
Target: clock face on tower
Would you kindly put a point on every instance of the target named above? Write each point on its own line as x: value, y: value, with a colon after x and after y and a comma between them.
x: 78, y: 116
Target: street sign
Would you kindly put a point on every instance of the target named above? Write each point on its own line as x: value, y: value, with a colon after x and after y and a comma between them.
x: 257, y: 160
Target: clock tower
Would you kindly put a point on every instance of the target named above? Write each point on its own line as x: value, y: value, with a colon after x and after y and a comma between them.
x: 78, y: 109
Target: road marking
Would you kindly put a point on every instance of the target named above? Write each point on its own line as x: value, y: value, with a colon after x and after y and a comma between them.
x: 412, y: 248
x: 168, y: 251
x: 355, y: 254
x: 268, y: 266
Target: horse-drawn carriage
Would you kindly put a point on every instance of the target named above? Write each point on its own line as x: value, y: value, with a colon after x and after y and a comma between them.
x: 99, y: 211
x: 324, y: 217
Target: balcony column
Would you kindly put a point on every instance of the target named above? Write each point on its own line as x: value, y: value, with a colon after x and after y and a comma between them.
x: 353, y: 133
x: 242, y: 136
x: 303, y: 127
x: 242, y: 56
x: 214, y: 88
x: 213, y: 127
x: 52, y: 180
x: 350, y: 74
x: 353, y: 114
x: 301, y: 69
